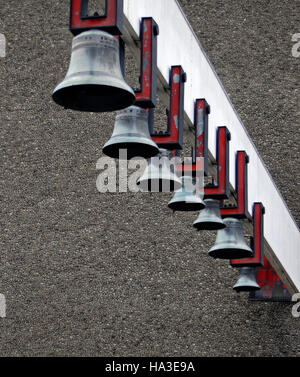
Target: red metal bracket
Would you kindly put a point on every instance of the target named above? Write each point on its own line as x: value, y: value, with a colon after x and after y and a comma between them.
x: 111, y: 21
x: 256, y: 242
x: 202, y: 109
x: 241, y: 186
x: 220, y: 190
x: 146, y: 96
x: 271, y: 287
x: 173, y: 138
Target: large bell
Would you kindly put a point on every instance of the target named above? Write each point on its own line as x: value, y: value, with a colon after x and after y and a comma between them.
x: 209, y: 218
x: 247, y: 280
x: 185, y: 199
x: 94, y: 81
x: 159, y: 174
x: 230, y: 242
x: 131, y: 132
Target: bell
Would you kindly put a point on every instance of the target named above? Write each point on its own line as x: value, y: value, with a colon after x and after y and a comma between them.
x: 94, y: 81
x: 210, y: 218
x: 159, y: 174
x: 185, y: 199
x: 247, y: 280
x: 131, y: 132
x: 230, y: 242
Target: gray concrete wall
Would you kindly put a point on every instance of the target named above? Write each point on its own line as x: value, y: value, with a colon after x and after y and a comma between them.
x: 92, y: 274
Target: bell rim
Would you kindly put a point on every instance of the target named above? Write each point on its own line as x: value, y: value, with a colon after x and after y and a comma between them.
x: 230, y: 253
x: 186, y: 206
x: 230, y: 245
x: 148, y: 150
x: 208, y: 225
x: 246, y: 288
x: 62, y: 92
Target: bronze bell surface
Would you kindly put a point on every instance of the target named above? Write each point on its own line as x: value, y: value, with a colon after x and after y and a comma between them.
x: 131, y: 132
x: 230, y: 242
x: 159, y: 175
x: 247, y: 280
x: 186, y: 199
x: 94, y: 81
x: 210, y: 217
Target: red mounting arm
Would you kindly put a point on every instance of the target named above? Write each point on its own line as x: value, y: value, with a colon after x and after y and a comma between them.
x: 257, y: 241
x: 202, y: 109
x: 146, y: 96
x: 266, y: 275
x: 272, y: 289
x: 173, y: 138
x: 111, y: 21
x: 241, y: 187
x: 221, y: 190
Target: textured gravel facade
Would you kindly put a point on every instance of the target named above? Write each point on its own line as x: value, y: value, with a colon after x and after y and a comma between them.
x: 90, y: 274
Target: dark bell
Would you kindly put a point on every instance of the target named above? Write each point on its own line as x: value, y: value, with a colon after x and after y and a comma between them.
x: 94, y: 81
x: 159, y: 175
x: 131, y: 132
x: 247, y: 280
x: 230, y: 242
x: 209, y: 218
x: 186, y: 199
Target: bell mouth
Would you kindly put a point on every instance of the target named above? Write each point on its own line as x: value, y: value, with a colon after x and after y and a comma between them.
x: 246, y: 288
x: 209, y: 225
x: 93, y: 97
x: 186, y: 206
x: 159, y: 185
x: 231, y: 253
x: 134, y: 149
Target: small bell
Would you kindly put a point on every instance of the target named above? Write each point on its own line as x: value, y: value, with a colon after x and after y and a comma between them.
x: 230, y: 242
x: 159, y: 174
x: 94, y: 81
x: 185, y: 199
x: 247, y: 280
x: 209, y: 218
x: 131, y: 132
